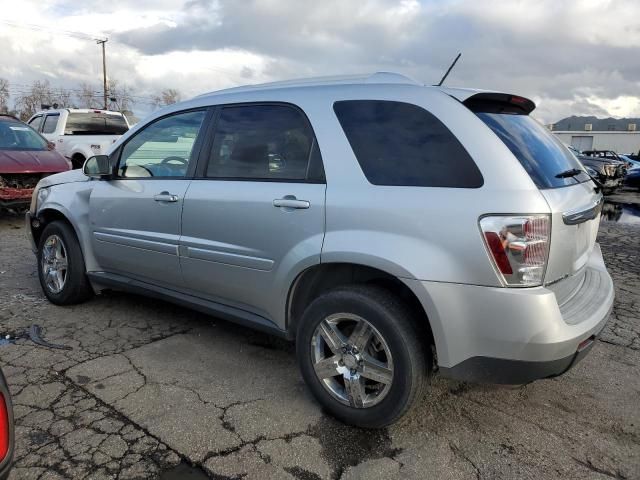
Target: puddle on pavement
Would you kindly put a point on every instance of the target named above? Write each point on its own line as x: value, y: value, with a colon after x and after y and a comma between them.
x: 183, y: 471
x: 621, y: 212
x: 345, y: 446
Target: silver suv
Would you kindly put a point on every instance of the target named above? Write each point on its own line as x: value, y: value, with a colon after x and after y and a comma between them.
x: 390, y: 228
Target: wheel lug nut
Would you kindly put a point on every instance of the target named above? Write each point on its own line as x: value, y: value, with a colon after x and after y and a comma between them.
x: 344, y: 349
x: 341, y: 362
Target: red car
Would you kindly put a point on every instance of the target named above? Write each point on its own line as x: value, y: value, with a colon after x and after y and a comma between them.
x: 25, y: 157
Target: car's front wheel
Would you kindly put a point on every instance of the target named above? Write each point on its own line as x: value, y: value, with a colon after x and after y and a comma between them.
x: 360, y: 353
x: 61, y: 268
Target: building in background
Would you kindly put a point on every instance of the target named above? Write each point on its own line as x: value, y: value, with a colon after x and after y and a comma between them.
x: 622, y: 135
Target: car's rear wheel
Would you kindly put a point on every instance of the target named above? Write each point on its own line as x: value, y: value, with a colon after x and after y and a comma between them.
x: 360, y: 353
x: 61, y: 268
x: 77, y: 161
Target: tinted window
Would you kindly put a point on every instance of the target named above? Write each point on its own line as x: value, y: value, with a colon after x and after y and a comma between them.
x: 261, y: 142
x: 163, y: 148
x: 402, y: 144
x: 95, y: 123
x: 18, y: 136
x: 539, y: 152
x: 35, y: 122
x: 50, y: 123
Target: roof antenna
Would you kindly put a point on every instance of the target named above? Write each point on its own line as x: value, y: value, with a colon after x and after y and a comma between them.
x: 449, y: 70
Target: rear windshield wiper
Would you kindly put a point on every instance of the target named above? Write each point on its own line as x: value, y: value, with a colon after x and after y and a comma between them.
x: 572, y: 172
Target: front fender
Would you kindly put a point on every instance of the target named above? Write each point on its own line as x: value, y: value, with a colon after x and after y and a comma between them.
x: 72, y: 201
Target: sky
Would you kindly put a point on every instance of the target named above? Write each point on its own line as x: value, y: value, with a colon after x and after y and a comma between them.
x: 570, y: 57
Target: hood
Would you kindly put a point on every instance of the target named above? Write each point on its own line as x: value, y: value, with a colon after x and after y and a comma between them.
x: 32, y: 161
x: 70, y: 176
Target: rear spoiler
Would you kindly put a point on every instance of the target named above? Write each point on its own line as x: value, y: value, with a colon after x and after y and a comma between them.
x: 489, y: 102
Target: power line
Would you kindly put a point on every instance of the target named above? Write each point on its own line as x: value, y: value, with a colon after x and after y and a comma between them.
x: 69, y: 33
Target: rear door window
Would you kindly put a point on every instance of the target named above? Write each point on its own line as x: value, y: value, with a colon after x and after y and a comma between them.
x: 541, y: 154
x: 402, y: 144
x: 95, y: 123
x: 264, y: 142
x: 50, y: 123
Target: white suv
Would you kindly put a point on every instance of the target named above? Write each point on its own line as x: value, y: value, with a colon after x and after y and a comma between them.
x: 391, y: 228
x: 80, y: 133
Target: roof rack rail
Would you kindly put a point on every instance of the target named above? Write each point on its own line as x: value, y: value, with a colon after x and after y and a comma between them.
x: 370, y: 78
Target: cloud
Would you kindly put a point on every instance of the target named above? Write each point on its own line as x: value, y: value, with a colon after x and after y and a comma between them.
x: 571, y: 57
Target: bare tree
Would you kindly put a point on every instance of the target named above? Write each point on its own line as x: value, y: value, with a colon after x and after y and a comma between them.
x: 87, y: 96
x: 4, y: 95
x: 61, y: 97
x: 39, y: 94
x: 122, y: 94
x: 167, y: 97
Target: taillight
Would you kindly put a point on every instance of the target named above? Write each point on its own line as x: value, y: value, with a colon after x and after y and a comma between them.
x: 518, y: 246
x: 4, y: 428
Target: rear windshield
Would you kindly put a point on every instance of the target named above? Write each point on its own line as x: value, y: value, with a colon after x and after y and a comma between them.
x: 18, y: 136
x: 95, y: 123
x: 541, y: 154
x: 402, y: 144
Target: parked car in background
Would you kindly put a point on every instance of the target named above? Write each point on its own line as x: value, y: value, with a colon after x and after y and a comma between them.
x: 633, y: 178
x: 7, y: 435
x: 25, y: 158
x: 631, y: 163
x: 80, y: 133
x: 610, y: 172
x: 610, y: 154
x: 391, y: 228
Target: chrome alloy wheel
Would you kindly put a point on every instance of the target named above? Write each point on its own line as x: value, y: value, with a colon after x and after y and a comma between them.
x: 54, y: 263
x: 352, y: 360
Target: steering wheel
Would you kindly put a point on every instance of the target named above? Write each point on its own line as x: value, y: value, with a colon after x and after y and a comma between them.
x: 174, y: 158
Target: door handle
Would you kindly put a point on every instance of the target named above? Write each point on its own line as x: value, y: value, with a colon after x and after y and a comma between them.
x: 165, y: 197
x: 291, y: 202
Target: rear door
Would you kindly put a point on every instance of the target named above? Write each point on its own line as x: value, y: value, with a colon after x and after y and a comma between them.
x: 257, y: 211
x: 135, y: 217
x: 49, y: 126
x: 572, y: 197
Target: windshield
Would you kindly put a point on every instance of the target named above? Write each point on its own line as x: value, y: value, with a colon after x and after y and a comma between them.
x: 547, y: 161
x: 17, y: 136
x: 95, y: 123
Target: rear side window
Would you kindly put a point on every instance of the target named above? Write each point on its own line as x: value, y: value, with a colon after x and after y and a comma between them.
x: 262, y: 142
x: 541, y: 154
x: 50, y: 123
x: 95, y: 123
x: 402, y: 144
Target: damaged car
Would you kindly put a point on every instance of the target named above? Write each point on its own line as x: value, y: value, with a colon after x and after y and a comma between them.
x: 25, y: 158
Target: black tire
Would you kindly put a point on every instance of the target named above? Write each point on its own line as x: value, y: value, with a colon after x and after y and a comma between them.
x: 396, y: 324
x: 76, y: 288
x: 77, y: 161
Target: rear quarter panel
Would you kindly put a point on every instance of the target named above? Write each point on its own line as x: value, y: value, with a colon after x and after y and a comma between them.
x: 417, y: 232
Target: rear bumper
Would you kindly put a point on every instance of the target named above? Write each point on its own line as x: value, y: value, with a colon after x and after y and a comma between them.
x: 514, y: 372
x: 514, y: 336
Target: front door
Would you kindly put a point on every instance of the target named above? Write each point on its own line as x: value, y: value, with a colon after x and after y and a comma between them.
x: 257, y: 211
x: 135, y: 217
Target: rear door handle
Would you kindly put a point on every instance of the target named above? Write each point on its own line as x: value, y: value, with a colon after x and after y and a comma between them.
x: 291, y: 202
x: 165, y: 197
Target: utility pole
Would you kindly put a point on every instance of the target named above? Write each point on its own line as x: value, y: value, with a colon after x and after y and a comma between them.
x: 104, y: 70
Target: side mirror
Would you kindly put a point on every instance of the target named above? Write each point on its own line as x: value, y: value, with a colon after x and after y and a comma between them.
x: 98, y: 166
